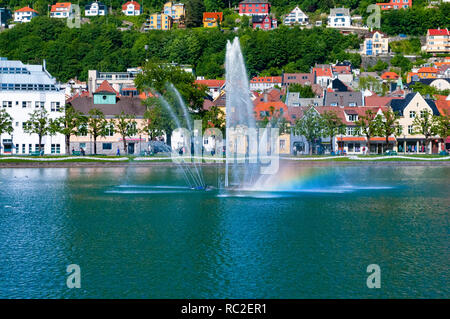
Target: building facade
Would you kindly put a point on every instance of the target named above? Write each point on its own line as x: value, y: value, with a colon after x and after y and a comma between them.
x: 264, y: 22
x: 375, y: 43
x: 158, y: 21
x: 412, y: 106
x: 118, y: 80
x: 94, y: 9
x: 131, y: 8
x: 296, y: 16
x: 261, y: 83
x: 174, y: 10
x: 212, y: 19
x: 254, y: 7
x: 438, y: 41
x: 339, y: 17
x: 61, y: 10
x: 395, y: 5
x: 111, y: 104
x: 23, y: 89
x: 25, y: 14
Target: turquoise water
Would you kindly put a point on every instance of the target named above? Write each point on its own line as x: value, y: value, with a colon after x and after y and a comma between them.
x: 136, y: 232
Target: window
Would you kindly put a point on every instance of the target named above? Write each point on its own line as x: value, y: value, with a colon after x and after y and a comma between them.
x: 55, y: 107
x: 412, y: 114
x: 26, y: 104
x: 352, y: 117
x: 422, y: 113
x: 350, y: 147
x: 56, y: 149
x: 38, y: 104
x: 7, y: 103
x: 282, y: 144
x: 23, y: 148
x: 410, y: 129
x: 357, y: 147
x: 107, y: 146
x: 30, y: 148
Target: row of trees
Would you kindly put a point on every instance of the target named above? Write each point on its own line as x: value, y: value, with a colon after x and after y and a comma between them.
x: 314, y: 125
x: 74, y: 123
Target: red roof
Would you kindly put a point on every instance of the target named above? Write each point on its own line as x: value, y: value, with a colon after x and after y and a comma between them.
x: 428, y: 70
x: 64, y: 5
x: 443, y: 105
x: 376, y: 100
x: 211, y: 83
x: 106, y: 87
x: 137, y: 6
x: 322, y: 72
x: 266, y: 106
x: 389, y: 76
x: 438, y: 32
x: 213, y: 15
x: 266, y: 79
x: 26, y: 9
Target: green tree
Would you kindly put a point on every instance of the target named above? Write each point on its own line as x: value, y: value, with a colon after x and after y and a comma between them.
x: 332, y: 126
x: 305, y: 91
x: 367, y: 126
x: 194, y: 13
x: 97, y: 125
x: 156, y: 120
x: 442, y: 128
x: 5, y: 123
x: 388, y: 125
x: 309, y: 126
x: 426, y: 125
x: 214, y: 117
x: 69, y: 124
x: 38, y: 124
x: 126, y: 126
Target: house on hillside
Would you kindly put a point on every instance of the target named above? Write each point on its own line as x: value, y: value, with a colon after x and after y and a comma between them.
x: 131, y: 8
x: 24, y: 14
x: 174, y: 10
x: 254, y: 7
x: 375, y: 43
x: 296, y: 16
x: 339, y: 17
x: 158, y: 21
x: 264, y: 22
x: 94, y: 9
x: 395, y: 5
x: 438, y: 41
x: 322, y: 75
x: 212, y: 19
x: 61, y: 10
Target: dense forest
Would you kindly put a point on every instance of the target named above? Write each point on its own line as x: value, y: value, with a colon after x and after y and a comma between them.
x: 100, y: 45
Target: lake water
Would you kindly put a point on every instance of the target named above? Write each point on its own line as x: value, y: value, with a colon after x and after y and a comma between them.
x: 136, y: 232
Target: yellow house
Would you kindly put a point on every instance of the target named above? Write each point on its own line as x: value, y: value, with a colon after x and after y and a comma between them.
x: 212, y: 19
x: 412, y: 106
x: 175, y: 10
x: 158, y: 21
x: 375, y: 43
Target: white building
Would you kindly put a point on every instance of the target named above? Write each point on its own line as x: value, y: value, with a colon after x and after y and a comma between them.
x: 25, y: 14
x: 61, y: 10
x: 95, y: 9
x: 24, y: 89
x: 339, y: 17
x: 131, y: 8
x: 296, y: 16
x: 262, y: 83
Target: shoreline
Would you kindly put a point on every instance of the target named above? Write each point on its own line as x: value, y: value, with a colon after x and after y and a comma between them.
x: 305, y: 162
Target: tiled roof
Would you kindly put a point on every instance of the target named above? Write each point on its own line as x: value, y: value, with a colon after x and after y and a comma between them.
x: 443, y: 105
x: 64, y: 5
x: 389, y: 76
x: 26, y: 9
x: 438, y: 32
x: 211, y: 83
x: 137, y: 6
x: 105, y: 87
x: 376, y: 100
x: 343, y: 98
x: 125, y: 104
x: 213, y: 15
x: 266, y: 106
x: 322, y: 72
x: 428, y: 70
x: 266, y: 79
